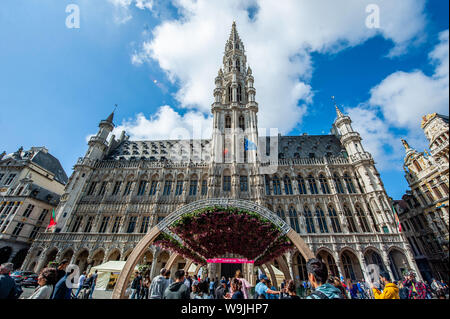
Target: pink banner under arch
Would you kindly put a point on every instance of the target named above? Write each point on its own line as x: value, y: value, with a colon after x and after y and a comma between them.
x: 229, y: 261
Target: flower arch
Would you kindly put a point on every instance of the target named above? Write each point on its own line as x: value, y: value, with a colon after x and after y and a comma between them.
x: 193, y: 231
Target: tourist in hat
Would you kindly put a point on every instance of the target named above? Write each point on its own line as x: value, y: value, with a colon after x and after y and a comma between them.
x: 262, y: 289
x: 221, y: 290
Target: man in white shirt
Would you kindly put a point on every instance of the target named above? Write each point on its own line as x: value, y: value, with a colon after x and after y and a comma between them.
x: 80, y: 283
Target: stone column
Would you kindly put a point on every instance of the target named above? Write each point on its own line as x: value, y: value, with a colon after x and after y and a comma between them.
x: 339, y: 267
x: 154, y: 262
x: 412, y: 263
x: 291, y: 268
x: 40, y: 263
x: 385, y: 258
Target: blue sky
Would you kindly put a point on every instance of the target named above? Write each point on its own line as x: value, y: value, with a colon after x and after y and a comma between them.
x: 56, y: 83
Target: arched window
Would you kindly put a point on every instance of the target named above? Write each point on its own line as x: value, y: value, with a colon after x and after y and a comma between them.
x: 226, y: 182
x: 230, y: 65
x: 276, y: 186
x: 267, y: 182
x: 332, y: 266
x: 280, y: 213
x: 324, y: 184
x: 348, y: 181
x: 334, y: 219
x: 309, y: 221
x: 312, y: 185
x: 243, y: 181
x: 229, y: 94
x: 293, y: 218
x: 179, y: 187
x: 348, y: 266
x: 227, y: 121
x: 238, y: 65
x: 301, y: 184
x: 167, y: 187
x: 338, y: 183
x: 361, y: 190
x: 301, y: 267
x: 193, y: 186
x: 287, y: 185
x: 242, y: 123
x: 372, y: 217
x: 362, y: 219
x: 417, y: 165
x: 321, y: 220
x: 239, y: 93
x: 350, y: 220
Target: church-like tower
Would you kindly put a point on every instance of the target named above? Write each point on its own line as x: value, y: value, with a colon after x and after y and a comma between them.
x: 234, y: 109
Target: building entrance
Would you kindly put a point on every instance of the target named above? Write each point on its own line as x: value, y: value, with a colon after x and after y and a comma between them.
x: 229, y: 270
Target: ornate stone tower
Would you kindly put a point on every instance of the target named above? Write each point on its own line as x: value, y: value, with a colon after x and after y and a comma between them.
x: 366, y: 175
x: 235, y: 129
x: 98, y: 147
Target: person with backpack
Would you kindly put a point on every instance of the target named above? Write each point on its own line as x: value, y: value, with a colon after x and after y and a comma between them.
x: 390, y: 290
x: 288, y: 290
x: 8, y: 287
x: 416, y: 289
x: 136, y: 285
x: 317, y: 276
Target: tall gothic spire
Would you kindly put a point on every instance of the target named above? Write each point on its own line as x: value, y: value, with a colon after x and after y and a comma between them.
x: 338, y: 111
x: 234, y: 59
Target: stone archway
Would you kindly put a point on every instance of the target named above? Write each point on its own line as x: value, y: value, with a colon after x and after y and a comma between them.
x: 327, y: 257
x: 82, y: 259
x: 351, y: 265
x: 149, y: 238
x: 114, y: 255
x: 398, y: 262
x: 19, y: 258
x: 5, y: 254
x: 50, y: 256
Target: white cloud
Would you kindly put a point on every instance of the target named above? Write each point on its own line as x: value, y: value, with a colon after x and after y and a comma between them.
x: 122, y: 11
x: 167, y: 124
x: 397, y: 105
x: 278, y: 42
x: 404, y: 97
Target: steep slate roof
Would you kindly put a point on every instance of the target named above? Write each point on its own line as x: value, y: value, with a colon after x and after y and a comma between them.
x: 288, y: 147
x: 304, y: 145
x: 52, y: 164
x: 161, y: 150
x: 40, y: 157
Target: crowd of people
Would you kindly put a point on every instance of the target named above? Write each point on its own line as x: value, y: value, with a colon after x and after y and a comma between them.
x: 53, y: 284
x: 320, y: 285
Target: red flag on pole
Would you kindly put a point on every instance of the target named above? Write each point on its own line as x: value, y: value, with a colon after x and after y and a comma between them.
x: 52, y: 220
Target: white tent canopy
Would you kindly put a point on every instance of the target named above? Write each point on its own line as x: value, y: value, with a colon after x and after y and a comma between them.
x: 106, y: 271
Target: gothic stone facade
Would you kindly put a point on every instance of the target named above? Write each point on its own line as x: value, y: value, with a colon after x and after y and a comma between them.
x: 326, y: 187
x: 423, y: 211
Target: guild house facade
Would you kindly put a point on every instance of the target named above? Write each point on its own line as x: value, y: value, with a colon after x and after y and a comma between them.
x: 423, y: 210
x: 326, y: 187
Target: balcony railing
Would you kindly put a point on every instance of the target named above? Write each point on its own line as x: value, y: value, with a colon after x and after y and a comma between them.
x: 310, y: 239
